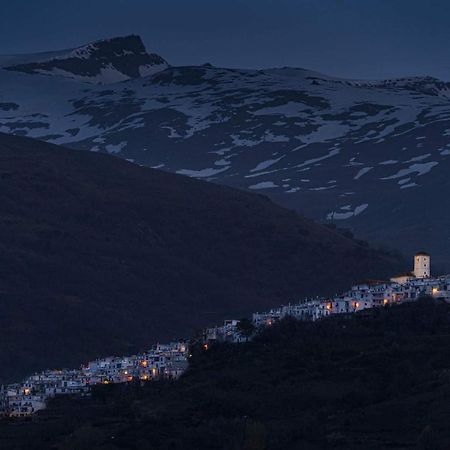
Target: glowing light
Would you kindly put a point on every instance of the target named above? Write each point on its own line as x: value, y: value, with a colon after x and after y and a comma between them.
x: 205, y: 346
x: 144, y: 363
x: 105, y: 382
x: 329, y: 306
x: 385, y: 301
x: 26, y: 391
x: 435, y: 290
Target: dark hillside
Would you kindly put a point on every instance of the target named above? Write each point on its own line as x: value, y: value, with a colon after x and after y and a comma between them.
x: 100, y: 256
x: 378, y: 380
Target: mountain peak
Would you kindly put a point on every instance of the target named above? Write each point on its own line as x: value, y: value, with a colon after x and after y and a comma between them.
x: 425, y: 85
x: 101, y: 62
x: 116, y: 46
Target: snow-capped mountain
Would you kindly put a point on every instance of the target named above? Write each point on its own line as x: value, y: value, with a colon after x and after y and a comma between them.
x: 371, y: 156
x: 101, y: 62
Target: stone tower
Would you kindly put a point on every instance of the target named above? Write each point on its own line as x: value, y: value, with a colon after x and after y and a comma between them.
x: 422, y: 265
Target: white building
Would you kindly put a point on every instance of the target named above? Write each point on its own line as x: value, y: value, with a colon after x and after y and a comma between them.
x: 422, y: 267
x: 22, y: 405
x: 228, y: 332
x: 23, y: 399
x: 309, y: 310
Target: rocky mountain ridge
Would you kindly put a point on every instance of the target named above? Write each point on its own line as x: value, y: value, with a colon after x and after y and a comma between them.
x: 101, y: 62
x: 371, y: 156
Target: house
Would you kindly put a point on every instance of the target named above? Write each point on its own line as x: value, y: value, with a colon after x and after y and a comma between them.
x: 228, y: 332
x: 22, y: 405
x: 441, y: 290
x: 267, y: 318
x: 403, y: 278
x: 309, y: 310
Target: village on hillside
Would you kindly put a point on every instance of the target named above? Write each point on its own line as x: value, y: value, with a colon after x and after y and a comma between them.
x: 171, y: 360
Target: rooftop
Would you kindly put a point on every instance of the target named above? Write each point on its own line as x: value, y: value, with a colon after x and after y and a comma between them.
x: 370, y: 282
x: 404, y: 274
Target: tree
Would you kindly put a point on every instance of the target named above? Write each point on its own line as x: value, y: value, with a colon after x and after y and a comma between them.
x: 245, y: 328
x: 256, y: 436
x: 427, y: 439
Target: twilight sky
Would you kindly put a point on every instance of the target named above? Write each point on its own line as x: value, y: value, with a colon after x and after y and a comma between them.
x: 348, y: 38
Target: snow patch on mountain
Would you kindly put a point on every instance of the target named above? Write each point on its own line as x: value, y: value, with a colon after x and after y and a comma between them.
x: 202, y: 173
x: 419, y: 169
x: 418, y: 158
x: 116, y: 148
x: 330, y: 154
x: 409, y: 185
x: 362, y: 172
x: 311, y: 141
x: 388, y: 162
x: 348, y: 214
x: 265, y: 164
x: 263, y: 185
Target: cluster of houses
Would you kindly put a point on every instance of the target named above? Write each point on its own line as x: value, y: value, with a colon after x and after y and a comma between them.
x: 170, y: 361
x: 402, y: 288
x: 163, y: 361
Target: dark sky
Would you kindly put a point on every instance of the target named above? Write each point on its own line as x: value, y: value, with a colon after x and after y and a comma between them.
x: 349, y: 38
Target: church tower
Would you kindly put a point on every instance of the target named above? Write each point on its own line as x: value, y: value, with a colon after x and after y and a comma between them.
x: 422, y: 265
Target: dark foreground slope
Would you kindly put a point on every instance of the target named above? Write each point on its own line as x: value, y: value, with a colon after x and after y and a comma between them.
x: 99, y: 256
x: 375, y: 381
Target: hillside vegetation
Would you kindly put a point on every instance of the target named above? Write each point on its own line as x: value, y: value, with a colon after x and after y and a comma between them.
x: 377, y: 380
x: 99, y: 256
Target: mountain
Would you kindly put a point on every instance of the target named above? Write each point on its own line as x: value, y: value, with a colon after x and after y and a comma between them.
x: 99, y: 256
x: 377, y: 380
x: 371, y: 156
x: 101, y: 62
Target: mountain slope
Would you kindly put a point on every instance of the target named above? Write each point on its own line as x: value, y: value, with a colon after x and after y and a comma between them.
x: 101, y: 62
x: 371, y: 156
x: 378, y: 380
x: 100, y: 256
